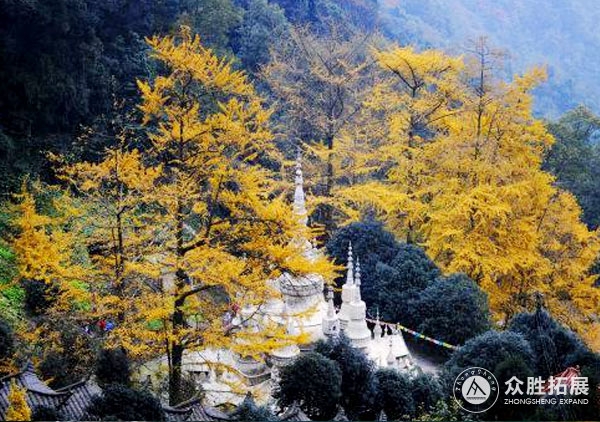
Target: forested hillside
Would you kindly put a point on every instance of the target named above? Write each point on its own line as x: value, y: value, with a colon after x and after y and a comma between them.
x: 180, y: 177
x: 71, y: 62
x: 560, y: 34
x: 68, y: 63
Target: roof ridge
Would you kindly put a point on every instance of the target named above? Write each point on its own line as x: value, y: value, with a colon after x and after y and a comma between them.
x: 67, y: 388
x: 189, y: 402
x: 52, y: 392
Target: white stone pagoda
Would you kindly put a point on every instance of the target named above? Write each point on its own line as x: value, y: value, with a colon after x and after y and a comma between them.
x: 303, y: 307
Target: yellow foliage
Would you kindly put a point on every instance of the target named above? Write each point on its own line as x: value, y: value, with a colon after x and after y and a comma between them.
x: 320, y: 82
x: 46, y: 249
x: 185, y: 232
x: 18, y: 410
x: 462, y: 160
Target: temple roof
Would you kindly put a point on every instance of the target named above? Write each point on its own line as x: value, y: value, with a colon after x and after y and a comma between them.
x: 193, y: 410
x: 80, y: 396
x: 72, y: 401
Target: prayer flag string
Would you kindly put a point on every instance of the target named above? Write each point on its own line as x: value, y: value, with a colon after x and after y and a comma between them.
x: 414, y: 333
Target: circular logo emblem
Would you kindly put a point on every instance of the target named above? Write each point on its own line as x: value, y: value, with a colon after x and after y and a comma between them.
x: 476, y: 390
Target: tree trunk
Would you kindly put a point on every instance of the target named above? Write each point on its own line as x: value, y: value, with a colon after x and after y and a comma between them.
x: 175, y: 374
x: 177, y: 349
x: 326, y: 213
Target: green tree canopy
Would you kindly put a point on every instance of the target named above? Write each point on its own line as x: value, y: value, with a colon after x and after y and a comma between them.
x: 358, y: 382
x: 118, y: 402
x: 394, y: 395
x: 575, y: 159
x: 314, y: 382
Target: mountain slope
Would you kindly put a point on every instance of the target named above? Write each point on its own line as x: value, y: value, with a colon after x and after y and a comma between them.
x: 561, y: 34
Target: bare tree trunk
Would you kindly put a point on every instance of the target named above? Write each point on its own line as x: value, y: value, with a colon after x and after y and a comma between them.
x: 176, y: 355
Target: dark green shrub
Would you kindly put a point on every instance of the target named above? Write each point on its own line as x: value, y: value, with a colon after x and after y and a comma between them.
x: 38, y: 297
x: 487, y: 351
x: 123, y: 403
x: 45, y: 413
x: 554, y: 345
x: 426, y: 391
x: 394, y: 394
x: 511, y: 367
x: 112, y: 367
x: 400, y: 282
x: 314, y: 382
x: 463, y: 314
x: 358, y: 382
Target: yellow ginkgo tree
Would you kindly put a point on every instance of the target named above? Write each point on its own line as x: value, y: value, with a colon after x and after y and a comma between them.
x: 48, y: 250
x: 18, y: 409
x: 406, y: 110
x: 463, y: 179
x: 188, y: 227
x: 319, y: 81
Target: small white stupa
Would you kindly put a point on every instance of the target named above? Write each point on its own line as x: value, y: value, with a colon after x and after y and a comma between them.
x: 385, y: 349
x: 303, y: 296
x: 357, y: 330
x: 331, y: 323
x: 301, y: 308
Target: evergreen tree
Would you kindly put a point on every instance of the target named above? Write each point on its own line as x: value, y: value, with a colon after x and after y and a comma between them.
x: 112, y: 367
x: 39, y: 297
x: 487, y: 351
x: 512, y: 366
x: 555, y: 346
x: 426, y: 392
x: 372, y: 244
x: 314, y: 383
x: 249, y: 411
x: 263, y: 22
x: 574, y: 159
x: 394, y: 394
x: 400, y: 283
x: 215, y: 21
x: 462, y: 314
x: 358, y: 382
x: 122, y: 403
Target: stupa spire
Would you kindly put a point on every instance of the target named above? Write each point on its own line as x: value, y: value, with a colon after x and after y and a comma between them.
x: 330, y: 306
x: 391, y: 359
x: 350, y: 267
x: 377, y: 329
x: 299, y: 197
x: 357, y: 280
